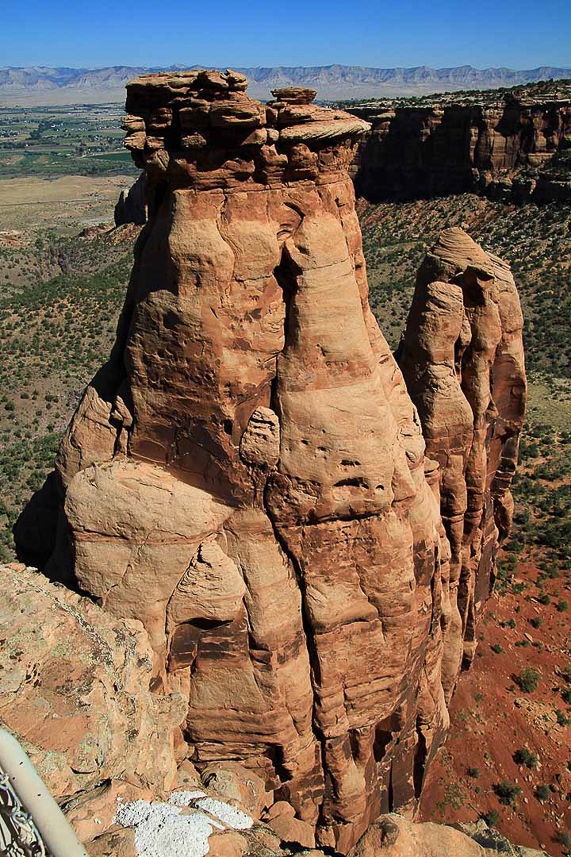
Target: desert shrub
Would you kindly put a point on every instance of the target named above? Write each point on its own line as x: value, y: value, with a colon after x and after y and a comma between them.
x: 491, y: 817
x: 507, y: 792
x: 542, y: 792
x: 525, y: 757
x: 527, y: 680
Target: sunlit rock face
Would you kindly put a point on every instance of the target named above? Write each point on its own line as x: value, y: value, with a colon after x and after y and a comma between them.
x: 247, y: 474
x: 463, y: 362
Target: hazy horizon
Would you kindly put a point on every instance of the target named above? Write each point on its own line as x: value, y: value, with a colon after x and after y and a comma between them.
x: 182, y: 66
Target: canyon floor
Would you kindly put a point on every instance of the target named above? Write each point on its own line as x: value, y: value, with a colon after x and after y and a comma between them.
x: 59, y: 299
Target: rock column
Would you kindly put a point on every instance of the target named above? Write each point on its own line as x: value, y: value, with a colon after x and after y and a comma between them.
x: 246, y: 475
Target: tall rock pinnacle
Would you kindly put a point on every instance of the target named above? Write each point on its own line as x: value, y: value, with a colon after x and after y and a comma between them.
x: 246, y: 475
x: 462, y: 359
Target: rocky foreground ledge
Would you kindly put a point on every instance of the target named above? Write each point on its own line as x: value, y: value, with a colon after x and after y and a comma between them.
x: 246, y: 481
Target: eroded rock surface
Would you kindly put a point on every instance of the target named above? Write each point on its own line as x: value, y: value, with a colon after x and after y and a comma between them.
x: 246, y: 476
x: 394, y: 836
x: 74, y: 690
x: 462, y: 359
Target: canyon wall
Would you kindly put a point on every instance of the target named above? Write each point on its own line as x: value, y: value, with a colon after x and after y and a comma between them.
x: 513, y: 146
x: 247, y: 476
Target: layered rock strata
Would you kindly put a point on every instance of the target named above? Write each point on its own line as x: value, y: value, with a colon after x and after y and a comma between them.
x: 246, y: 475
x: 463, y: 363
x: 511, y: 146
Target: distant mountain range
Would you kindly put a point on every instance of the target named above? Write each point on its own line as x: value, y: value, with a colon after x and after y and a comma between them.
x: 41, y: 85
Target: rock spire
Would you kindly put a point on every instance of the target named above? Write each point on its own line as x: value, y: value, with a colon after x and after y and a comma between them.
x: 463, y: 363
x: 247, y: 474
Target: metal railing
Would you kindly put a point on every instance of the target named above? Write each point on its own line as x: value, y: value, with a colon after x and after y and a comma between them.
x: 31, y: 822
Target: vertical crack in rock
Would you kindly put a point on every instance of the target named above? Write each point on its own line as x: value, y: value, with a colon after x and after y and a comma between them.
x: 256, y: 466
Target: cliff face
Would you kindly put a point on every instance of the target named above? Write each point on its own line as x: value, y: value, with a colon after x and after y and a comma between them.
x: 247, y: 474
x: 513, y: 146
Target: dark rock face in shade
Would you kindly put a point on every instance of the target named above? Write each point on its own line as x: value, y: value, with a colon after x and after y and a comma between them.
x: 513, y: 146
x: 132, y: 206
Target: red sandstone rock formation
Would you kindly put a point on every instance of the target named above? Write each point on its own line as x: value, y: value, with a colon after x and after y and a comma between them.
x: 246, y: 476
x: 74, y: 689
x: 462, y: 359
x: 394, y: 836
x: 509, y: 145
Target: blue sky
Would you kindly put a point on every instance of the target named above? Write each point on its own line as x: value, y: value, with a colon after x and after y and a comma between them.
x: 384, y: 33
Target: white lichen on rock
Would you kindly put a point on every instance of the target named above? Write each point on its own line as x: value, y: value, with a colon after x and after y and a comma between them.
x: 165, y: 830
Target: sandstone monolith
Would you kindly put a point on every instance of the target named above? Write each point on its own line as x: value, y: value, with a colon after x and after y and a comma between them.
x: 462, y: 359
x: 247, y: 474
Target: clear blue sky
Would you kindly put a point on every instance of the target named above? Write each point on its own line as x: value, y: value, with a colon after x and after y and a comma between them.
x: 381, y: 33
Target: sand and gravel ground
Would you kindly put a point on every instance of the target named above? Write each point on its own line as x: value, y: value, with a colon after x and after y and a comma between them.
x: 492, y: 718
x: 64, y: 204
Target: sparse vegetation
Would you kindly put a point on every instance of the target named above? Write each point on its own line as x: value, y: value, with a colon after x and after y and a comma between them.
x: 507, y: 792
x: 57, y: 326
x: 542, y: 792
x: 491, y: 817
x: 527, y: 680
x: 525, y: 757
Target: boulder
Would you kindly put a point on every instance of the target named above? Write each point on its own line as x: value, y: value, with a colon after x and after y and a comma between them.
x: 394, y: 836
x: 233, y: 783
